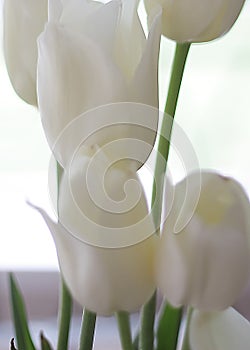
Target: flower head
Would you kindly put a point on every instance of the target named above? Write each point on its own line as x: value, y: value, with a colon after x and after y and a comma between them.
x: 196, y: 20
x: 104, y: 237
x: 92, y: 54
x: 206, y: 264
x: 224, y: 330
x: 24, y: 20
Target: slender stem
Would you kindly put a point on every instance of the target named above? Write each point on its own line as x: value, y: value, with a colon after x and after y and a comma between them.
x: 65, y: 310
x: 185, y: 343
x: 136, y: 341
x: 146, y: 340
x: 65, y: 302
x: 87, y: 330
x: 168, y: 328
x: 178, y: 66
x: 124, y: 330
x: 181, y: 52
x: 59, y: 173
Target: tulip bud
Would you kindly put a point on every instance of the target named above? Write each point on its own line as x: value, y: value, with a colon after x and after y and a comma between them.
x: 206, y: 264
x: 23, y: 21
x: 225, y: 330
x: 105, y: 237
x: 89, y: 57
x: 196, y: 20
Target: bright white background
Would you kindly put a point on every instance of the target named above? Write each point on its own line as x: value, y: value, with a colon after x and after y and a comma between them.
x: 213, y: 109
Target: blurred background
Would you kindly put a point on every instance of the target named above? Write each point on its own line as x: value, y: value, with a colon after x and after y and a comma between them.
x: 214, y: 112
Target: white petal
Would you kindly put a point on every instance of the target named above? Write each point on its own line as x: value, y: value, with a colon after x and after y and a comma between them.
x: 55, y: 8
x: 93, y: 19
x: 208, y: 21
x: 108, y: 280
x: 103, y: 204
x: 126, y: 130
x: 223, y: 21
x: 130, y: 39
x: 206, y: 265
x: 105, y: 280
x: 71, y: 84
x: 74, y: 75
x: 23, y: 21
x: 226, y: 330
x: 183, y: 23
x: 144, y: 86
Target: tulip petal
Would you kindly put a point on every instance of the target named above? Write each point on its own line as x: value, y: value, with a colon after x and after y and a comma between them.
x: 227, y: 14
x: 74, y: 75
x: 191, y: 23
x: 70, y: 86
x: 55, y: 8
x: 130, y: 40
x: 96, y: 20
x: 105, y: 199
x: 23, y: 22
x: 141, y: 91
x: 77, y: 72
x: 210, y: 19
x: 126, y: 131
x: 105, y: 280
x: 207, y: 264
x: 226, y: 330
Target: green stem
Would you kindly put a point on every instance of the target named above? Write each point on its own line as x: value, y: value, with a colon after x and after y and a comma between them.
x: 178, y: 66
x: 136, y: 341
x: 65, y: 310
x: 146, y: 340
x: 65, y: 303
x: 185, y: 343
x: 87, y: 330
x: 168, y: 328
x: 59, y: 173
x: 181, y: 52
x: 124, y: 330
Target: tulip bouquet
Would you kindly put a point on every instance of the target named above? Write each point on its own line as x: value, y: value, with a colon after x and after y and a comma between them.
x: 92, y: 71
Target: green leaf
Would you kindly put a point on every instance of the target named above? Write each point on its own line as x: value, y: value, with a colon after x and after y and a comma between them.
x: 168, y: 328
x: 45, y: 345
x: 12, y: 344
x: 23, y: 336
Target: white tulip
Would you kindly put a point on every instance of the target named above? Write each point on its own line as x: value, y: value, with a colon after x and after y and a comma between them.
x: 105, y: 238
x: 91, y: 55
x: 107, y: 200
x: 206, y: 265
x: 196, y: 20
x: 224, y: 330
x: 24, y: 20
